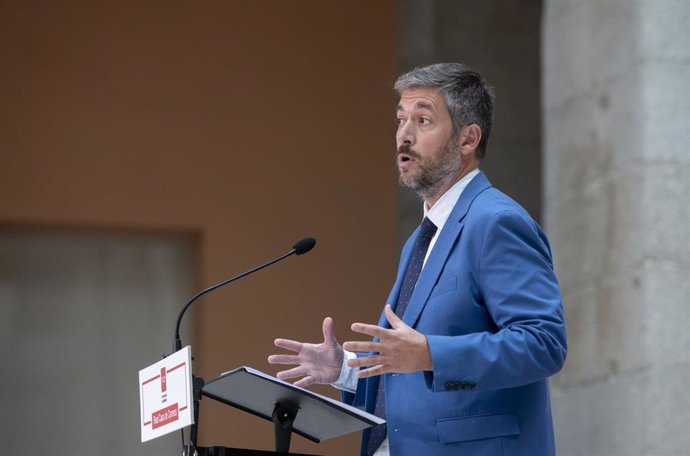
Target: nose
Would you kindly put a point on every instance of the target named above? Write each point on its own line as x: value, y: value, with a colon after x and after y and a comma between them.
x: 405, y: 134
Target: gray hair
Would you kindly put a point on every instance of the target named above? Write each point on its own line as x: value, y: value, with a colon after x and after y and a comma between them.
x: 469, y: 98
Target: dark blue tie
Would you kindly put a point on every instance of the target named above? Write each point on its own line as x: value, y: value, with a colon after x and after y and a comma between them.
x: 421, y: 245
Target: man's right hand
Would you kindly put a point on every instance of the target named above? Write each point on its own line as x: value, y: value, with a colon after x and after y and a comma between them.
x: 316, y: 363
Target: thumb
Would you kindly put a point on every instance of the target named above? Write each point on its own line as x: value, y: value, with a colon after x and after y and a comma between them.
x: 328, y: 332
x: 392, y: 318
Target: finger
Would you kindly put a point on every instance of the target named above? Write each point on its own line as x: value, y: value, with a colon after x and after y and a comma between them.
x: 362, y: 347
x: 288, y: 344
x: 283, y: 359
x: 376, y: 370
x: 393, y: 319
x: 369, y: 330
x: 328, y: 332
x: 298, y: 371
x: 306, y: 381
x: 365, y: 361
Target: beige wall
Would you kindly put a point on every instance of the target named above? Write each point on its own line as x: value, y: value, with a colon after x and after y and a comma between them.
x: 252, y: 124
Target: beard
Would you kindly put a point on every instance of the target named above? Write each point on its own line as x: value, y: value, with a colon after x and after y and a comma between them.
x: 433, y: 172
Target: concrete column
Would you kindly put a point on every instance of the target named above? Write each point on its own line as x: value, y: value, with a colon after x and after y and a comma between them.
x: 616, y: 136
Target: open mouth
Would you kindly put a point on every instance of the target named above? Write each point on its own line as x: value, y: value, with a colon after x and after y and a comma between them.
x: 404, y: 158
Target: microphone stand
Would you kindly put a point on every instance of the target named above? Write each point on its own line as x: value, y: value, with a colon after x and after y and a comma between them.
x: 283, y: 415
x: 177, y: 344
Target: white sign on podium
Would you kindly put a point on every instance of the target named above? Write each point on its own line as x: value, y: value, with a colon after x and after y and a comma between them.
x: 165, y: 395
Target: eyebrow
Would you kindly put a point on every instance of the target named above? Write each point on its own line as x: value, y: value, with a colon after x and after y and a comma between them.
x: 419, y: 105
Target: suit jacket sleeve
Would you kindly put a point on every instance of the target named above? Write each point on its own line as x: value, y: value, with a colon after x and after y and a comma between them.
x: 516, y: 283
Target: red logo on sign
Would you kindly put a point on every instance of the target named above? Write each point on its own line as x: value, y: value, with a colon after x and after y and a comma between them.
x: 164, y: 416
x: 164, y: 382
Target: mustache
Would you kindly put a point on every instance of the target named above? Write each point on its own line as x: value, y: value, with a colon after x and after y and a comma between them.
x: 405, y: 149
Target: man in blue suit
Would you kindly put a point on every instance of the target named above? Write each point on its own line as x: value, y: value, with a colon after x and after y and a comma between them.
x: 473, y: 326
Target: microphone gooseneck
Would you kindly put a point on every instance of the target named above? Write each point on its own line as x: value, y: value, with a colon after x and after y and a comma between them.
x: 301, y: 247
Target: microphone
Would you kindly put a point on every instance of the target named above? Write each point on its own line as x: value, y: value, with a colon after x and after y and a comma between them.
x: 304, y: 245
x: 300, y: 248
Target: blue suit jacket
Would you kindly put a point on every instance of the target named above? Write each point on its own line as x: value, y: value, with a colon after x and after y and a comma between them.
x: 489, y: 304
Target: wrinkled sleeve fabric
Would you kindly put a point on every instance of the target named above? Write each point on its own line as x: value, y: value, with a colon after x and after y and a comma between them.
x: 517, y: 285
x: 348, y: 375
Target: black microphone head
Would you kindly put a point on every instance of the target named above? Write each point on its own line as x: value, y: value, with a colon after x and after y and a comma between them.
x: 304, y: 245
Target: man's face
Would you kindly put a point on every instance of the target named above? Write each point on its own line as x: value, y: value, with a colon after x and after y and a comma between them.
x: 427, y: 154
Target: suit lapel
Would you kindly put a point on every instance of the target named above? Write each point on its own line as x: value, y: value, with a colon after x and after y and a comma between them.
x: 444, y: 244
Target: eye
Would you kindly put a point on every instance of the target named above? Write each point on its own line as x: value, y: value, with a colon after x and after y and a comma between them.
x: 424, y: 120
x: 399, y: 121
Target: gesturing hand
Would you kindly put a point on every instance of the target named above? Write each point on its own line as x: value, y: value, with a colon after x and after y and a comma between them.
x: 316, y: 363
x: 401, y: 349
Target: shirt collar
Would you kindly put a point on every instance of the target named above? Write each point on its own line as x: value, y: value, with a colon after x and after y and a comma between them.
x: 440, y: 211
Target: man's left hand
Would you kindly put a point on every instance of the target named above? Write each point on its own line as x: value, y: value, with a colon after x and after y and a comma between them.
x: 400, y: 349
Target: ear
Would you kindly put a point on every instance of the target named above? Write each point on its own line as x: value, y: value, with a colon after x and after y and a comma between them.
x: 470, y: 136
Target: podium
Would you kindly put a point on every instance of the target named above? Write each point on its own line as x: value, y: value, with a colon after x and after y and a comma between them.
x: 290, y: 408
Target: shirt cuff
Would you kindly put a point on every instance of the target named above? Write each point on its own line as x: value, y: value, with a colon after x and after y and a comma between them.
x: 348, y: 375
